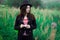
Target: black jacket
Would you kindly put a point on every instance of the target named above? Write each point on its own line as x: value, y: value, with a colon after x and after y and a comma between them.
x: 31, y: 22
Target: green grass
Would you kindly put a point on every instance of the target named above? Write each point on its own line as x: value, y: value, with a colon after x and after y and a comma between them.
x: 44, y: 19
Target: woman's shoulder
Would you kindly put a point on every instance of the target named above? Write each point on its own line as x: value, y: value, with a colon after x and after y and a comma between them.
x: 32, y: 16
x: 18, y: 16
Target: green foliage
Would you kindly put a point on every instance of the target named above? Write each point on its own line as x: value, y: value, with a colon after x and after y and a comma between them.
x: 15, y: 3
x: 53, y: 5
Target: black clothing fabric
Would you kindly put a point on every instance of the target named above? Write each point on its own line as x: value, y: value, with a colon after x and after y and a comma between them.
x: 29, y: 31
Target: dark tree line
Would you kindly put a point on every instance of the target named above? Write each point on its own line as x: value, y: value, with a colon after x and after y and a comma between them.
x: 35, y: 3
x: 17, y: 3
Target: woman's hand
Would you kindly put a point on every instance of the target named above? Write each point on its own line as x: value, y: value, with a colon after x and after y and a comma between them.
x: 27, y: 26
x: 21, y: 26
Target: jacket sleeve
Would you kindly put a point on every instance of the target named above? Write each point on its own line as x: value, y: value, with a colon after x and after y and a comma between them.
x: 33, y: 24
x: 17, y: 24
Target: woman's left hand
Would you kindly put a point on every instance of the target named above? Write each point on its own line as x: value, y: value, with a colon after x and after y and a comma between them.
x: 27, y: 26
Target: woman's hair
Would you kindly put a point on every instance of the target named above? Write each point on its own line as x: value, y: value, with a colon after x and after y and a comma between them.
x: 23, y: 12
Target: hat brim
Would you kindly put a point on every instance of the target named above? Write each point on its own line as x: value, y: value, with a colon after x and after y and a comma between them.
x: 25, y: 5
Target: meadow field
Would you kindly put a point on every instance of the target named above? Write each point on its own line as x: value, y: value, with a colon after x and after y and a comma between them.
x: 48, y: 23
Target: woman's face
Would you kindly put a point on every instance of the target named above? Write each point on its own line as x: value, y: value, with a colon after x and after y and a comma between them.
x: 28, y: 9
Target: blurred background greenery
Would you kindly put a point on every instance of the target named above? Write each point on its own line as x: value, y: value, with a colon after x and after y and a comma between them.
x: 47, y: 14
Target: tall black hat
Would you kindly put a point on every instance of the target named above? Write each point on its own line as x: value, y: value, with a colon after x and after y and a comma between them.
x: 25, y: 3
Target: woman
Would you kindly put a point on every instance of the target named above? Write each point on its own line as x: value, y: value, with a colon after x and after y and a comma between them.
x: 25, y: 22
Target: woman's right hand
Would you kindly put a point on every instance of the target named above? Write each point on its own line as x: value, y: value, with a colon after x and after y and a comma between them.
x: 21, y: 26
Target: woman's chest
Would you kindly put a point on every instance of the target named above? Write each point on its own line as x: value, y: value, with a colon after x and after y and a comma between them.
x: 25, y: 20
